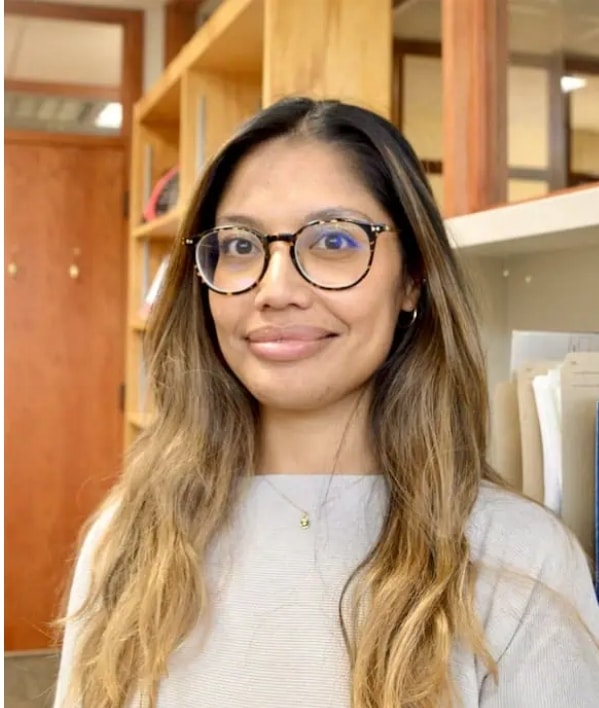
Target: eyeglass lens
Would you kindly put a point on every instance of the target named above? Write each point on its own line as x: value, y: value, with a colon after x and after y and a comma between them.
x: 329, y: 255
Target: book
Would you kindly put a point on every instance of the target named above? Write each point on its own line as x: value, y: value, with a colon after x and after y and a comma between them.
x: 579, y: 394
x: 154, y: 289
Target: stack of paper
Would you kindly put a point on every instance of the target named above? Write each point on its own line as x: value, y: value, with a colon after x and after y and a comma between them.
x: 545, y: 429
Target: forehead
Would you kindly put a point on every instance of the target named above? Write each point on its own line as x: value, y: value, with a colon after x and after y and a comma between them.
x: 285, y: 179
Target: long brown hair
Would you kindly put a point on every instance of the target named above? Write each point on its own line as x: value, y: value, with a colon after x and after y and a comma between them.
x: 412, y: 597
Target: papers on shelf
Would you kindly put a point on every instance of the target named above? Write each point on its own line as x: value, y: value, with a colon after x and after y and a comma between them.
x: 547, y: 393
x: 544, y: 436
x: 533, y: 346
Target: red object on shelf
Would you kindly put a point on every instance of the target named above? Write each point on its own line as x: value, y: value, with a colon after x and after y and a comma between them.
x: 164, y: 195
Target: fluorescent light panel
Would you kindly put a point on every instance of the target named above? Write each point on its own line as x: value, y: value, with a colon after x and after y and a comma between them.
x: 111, y: 116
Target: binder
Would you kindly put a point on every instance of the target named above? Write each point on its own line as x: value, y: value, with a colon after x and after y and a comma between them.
x: 580, y: 392
x: 506, y: 448
x: 530, y: 431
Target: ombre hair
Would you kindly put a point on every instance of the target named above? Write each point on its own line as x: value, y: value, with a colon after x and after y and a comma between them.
x: 412, y: 596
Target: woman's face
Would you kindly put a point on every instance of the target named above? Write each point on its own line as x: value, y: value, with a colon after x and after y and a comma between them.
x: 292, y: 345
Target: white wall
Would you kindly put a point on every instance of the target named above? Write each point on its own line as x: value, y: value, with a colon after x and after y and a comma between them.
x: 153, y: 51
x: 553, y: 290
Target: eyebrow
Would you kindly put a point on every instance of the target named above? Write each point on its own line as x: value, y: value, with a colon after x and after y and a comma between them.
x: 320, y: 214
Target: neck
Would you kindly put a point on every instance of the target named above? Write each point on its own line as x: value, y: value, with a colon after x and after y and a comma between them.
x: 326, y: 441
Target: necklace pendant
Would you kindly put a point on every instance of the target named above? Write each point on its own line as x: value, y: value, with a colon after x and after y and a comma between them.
x: 305, y: 521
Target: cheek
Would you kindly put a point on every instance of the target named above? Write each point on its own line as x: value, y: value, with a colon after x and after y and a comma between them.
x: 373, y: 327
x: 370, y: 318
x: 225, y: 315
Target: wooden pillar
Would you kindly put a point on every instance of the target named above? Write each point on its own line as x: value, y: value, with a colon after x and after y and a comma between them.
x: 179, y: 25
x: 475, y: 61
x: 329, y: 49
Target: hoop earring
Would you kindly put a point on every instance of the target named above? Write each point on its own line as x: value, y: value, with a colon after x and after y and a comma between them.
x: 411, y: 322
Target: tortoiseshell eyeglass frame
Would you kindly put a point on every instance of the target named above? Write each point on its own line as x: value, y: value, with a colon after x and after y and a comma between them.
x: 372, y: 231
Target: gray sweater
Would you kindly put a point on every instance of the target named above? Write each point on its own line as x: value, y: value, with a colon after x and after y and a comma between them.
x: 275, y: 640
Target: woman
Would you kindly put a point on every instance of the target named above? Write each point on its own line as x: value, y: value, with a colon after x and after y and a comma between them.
x: 310, y: 521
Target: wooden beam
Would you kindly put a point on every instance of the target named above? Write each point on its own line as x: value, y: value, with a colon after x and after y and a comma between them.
x: 538, y: 174
x: 397, y: 74
x: 475, y: 60
x: 329, y: 48
x: 559, y: 125
x: 80, y: 140
x: 83, y: 13
x: 581, y: 64
x: 418, y: 47
x: 102, y: 93
x: 179, y: 26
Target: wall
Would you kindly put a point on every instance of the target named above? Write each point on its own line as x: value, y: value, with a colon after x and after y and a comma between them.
x: 553, y: 291
x: 153, y: 55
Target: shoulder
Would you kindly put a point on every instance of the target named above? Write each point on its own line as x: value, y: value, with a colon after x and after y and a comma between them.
x: 505, y: 527
x: 528, y: 562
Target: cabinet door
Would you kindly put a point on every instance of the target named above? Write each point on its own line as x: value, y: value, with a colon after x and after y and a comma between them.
x: 64, y: 363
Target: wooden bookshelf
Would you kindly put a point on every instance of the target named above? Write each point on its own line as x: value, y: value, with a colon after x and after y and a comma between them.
x: 139, y: 421
x: 248, y: 54
x: 533, y: 265
x: 165, y: 226
x: 138, y: 325
x: 529, y: 261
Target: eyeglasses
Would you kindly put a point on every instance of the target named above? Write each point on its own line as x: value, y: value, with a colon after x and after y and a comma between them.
x: 333, y: 255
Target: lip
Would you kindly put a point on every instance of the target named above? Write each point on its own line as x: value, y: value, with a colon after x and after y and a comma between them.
x: 290, y: 343
x: 296, y: 333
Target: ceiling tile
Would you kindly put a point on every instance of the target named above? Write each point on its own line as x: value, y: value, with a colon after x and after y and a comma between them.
x: 63, y: 51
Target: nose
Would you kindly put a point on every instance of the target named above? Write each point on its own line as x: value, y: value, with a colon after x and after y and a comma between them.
x: 282, y: 286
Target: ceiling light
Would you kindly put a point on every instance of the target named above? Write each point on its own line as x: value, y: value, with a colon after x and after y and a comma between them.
x: 111, y: 116
x: 572, y: 83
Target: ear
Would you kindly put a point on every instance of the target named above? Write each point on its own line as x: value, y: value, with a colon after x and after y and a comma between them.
x: 409, y: 294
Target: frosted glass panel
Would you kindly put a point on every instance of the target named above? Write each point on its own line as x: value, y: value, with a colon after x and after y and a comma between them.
x: 436, y: 182
x: 422, y: 105
x: 528, y: 117
x: 584, y: 124
x: 520, y: 189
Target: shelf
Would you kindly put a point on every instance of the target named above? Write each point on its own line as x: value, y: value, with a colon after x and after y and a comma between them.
x: 566, y: 220
x: 138, y: 325
x: 231, y: 41
x: 165, y: 226
x: 162, y: 103
x: 139, y: 420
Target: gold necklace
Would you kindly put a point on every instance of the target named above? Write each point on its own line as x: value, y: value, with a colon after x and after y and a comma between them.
x: 305, y: 517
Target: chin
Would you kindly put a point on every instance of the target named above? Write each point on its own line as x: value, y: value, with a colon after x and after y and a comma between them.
x: 290, y: 396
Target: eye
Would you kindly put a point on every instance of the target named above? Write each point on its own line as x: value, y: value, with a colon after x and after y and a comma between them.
x: 237, y: 246
x: 335, y: 240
